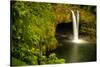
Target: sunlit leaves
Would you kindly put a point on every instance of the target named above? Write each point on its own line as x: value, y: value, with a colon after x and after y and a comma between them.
x: 33, y: 25
x: 33, y: 29
x: 53, y: 59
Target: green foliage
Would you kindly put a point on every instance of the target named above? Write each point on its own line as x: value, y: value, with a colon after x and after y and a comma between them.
x: 33, y: 29
x: 16, y: 62
x: 54, y: 60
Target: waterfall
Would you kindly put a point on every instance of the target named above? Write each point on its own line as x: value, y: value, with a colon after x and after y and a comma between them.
x: 75, y: 24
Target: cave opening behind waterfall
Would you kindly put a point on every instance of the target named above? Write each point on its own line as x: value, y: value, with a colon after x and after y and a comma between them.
x: 70, y: 51
x: 64, y: 31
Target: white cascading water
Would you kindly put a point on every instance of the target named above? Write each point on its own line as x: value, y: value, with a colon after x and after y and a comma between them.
x: 75, y: 24
x: 75, y: 57
x: 75, y: 54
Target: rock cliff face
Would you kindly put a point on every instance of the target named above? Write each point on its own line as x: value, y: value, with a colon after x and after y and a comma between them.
x: 87, y: 27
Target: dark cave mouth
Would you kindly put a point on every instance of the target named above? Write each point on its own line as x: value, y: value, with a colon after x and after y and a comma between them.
x: 64, y: 31
x: 64, y: 28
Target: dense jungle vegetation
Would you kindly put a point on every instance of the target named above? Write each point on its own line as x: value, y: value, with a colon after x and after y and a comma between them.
x: 33, y: 27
